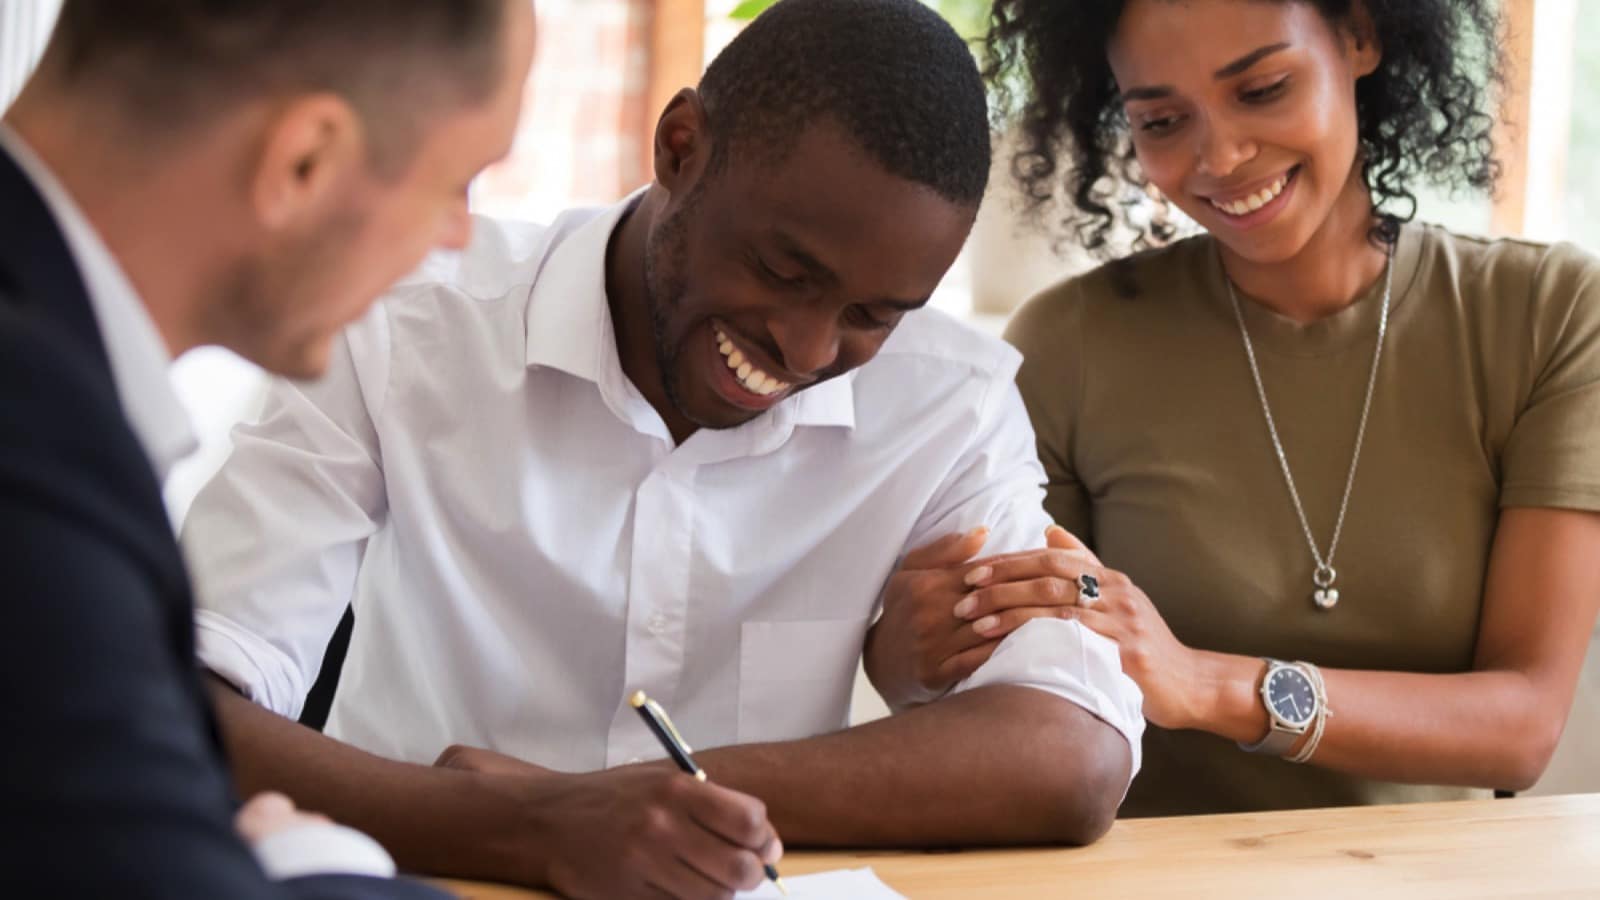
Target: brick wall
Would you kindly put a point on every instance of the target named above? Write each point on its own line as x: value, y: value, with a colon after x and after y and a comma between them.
x: 582, y: 136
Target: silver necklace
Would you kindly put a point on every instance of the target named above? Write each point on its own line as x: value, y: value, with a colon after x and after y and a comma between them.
x: 1325, y: 595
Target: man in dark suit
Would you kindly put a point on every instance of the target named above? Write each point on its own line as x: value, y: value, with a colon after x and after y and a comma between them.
x: 179, y: 173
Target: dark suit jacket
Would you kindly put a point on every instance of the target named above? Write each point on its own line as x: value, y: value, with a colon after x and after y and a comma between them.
x: 112, y: 781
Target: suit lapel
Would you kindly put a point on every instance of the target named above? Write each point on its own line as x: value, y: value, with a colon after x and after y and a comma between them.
x: 40, y: 278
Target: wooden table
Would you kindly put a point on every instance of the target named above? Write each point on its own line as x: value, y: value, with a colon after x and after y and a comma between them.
x: 1527, y: 847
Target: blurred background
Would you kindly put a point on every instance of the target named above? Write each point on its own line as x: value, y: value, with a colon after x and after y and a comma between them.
x: 607, y: 67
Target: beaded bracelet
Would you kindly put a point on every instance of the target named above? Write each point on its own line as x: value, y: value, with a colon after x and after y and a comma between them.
x: 1323, y: 712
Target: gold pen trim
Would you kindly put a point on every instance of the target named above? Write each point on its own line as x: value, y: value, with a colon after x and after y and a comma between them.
x: 667, y: 721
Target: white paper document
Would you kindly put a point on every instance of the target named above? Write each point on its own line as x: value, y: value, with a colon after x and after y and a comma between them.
x: 845, y: 884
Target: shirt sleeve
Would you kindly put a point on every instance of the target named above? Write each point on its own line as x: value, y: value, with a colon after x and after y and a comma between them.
x: 1552, y: 457
x: 275, y: 539
x: 997, y: 484
x: 1064, y: 658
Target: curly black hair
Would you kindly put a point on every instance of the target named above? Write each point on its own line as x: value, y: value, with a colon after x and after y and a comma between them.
x: 1424, y: 112
x: 892, y: 73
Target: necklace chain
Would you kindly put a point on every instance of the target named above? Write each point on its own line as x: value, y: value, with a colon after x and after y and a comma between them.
x: 1325, y: 574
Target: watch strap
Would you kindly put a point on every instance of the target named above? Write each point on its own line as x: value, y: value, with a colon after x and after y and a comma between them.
x: 1277, y: 742
x: 1280, y: 739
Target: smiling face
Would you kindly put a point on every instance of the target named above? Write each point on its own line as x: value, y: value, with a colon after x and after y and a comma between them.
x: 1243, y: 114
x: 768, y: 279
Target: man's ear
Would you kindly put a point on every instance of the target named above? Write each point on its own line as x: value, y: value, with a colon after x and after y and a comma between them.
x: 310, y: 147
x: 1361, y: 41
x: 683, y: 142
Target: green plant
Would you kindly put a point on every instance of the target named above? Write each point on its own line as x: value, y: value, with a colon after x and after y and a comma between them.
x: 968, y: 17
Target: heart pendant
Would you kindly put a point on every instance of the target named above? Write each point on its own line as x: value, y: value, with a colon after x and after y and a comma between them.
x: 1325, y: 598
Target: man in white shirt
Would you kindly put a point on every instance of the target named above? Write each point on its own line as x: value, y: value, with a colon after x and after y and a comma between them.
x: 678, y: 445
x: 170, y: 177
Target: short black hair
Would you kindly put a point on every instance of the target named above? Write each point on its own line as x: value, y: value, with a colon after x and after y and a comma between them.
x: 892, y: 73
x: 1425, y: 113
x: 169, y: 62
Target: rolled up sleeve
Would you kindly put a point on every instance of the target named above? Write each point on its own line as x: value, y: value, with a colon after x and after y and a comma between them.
x: 275, y: 539
x: 1064, y: 658
x: 1000, y: 485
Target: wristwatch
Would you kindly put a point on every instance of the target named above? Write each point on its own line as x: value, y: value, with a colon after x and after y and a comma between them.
x: 1292, y: 698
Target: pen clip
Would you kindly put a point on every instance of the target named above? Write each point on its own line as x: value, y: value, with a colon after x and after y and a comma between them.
x: 666, y: 721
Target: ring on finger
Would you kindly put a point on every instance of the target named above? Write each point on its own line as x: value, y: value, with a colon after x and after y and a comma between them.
x: 1088, y: 590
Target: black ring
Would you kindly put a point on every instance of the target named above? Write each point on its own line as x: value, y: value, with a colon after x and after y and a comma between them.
x: 1088, y: 587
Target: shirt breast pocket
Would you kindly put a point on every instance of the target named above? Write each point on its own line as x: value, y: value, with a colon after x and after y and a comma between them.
x: 795, y: 678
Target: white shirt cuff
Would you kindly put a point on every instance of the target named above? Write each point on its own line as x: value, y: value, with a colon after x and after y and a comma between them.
x: 321, y: 849
x: 1064, y: 658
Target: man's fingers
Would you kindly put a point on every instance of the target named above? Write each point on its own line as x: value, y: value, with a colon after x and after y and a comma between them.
x: 739, y: 819
x: 678, y: 878
x: 262, y: 815
x: 963, y: 664
x: 772, y: 853
x: 950, y: 550
x: 725, y: 865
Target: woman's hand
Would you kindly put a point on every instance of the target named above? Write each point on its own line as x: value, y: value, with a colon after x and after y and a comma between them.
x: 1013, y: 589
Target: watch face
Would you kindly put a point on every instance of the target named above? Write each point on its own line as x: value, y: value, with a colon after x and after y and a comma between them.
x: 1291, y: 696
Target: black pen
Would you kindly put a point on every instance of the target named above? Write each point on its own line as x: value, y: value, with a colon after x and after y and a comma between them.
x: 661, y: 726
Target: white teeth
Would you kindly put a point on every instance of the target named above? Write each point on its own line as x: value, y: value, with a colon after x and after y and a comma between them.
x: 754, y: 380
x: 1255, y: 201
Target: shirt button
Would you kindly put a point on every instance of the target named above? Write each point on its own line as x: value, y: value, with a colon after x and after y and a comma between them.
x: 657, y: 625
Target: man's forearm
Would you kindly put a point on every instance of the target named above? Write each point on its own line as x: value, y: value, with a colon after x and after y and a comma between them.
x: 435, y: 820
x: 997, y: 765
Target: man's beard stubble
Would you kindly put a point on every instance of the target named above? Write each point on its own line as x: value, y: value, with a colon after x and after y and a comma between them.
x: 258, y: 299
x: 666, y: 259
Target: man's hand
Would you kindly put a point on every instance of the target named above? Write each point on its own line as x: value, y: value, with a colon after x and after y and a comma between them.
x: 269, y: 813
x: 638, y: 831
x: 919, y: 648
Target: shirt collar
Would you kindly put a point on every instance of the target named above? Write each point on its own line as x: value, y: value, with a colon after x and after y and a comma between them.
x: 139, y: 358
x: 569, y: 328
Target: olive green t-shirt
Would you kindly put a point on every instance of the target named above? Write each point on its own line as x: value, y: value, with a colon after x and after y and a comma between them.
x: 1158, y: 455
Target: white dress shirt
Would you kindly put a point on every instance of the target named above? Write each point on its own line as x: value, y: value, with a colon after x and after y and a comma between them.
x: 525, y: 545
x: 140, y: 361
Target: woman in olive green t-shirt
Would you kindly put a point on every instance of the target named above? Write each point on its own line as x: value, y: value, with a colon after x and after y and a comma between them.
x: 1311, y: 434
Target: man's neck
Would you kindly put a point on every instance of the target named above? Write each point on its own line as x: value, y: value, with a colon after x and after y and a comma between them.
x: 1335, y: 268
x: 628, y: 296
x: 130, y: 207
